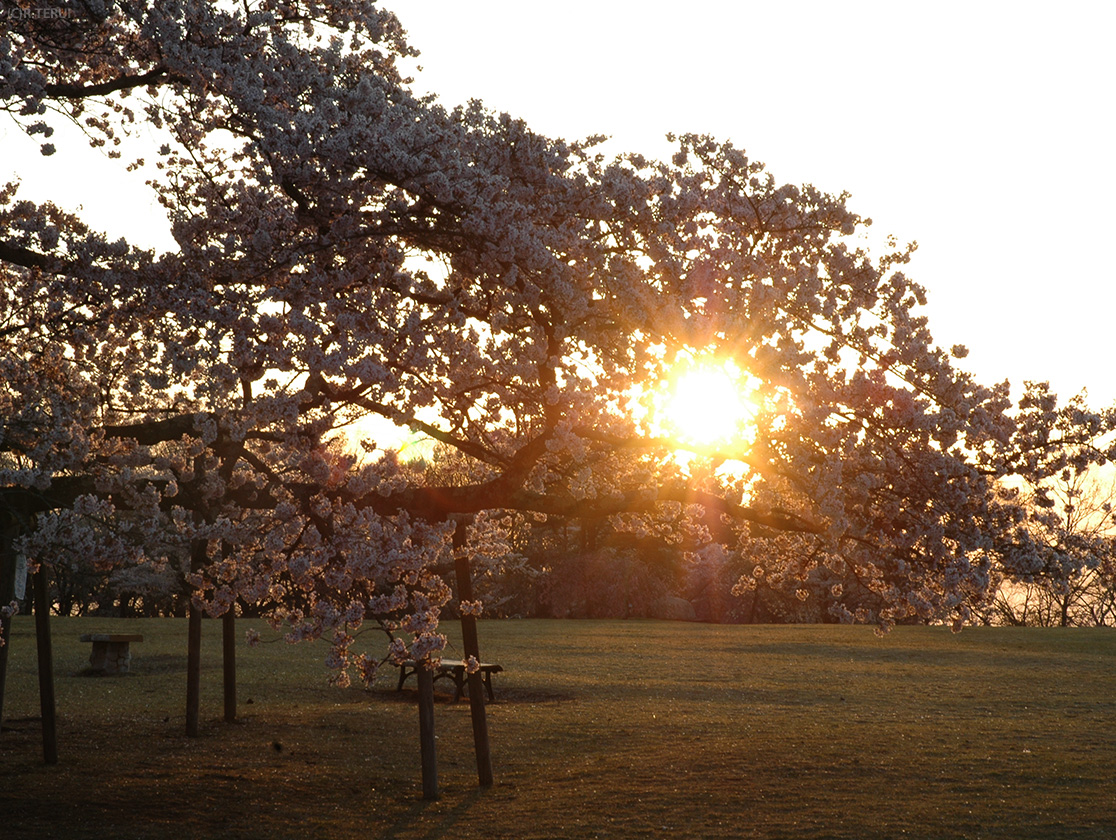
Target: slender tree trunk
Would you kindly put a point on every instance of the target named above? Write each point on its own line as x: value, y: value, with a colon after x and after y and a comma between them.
x: 427, y: 741
x: 228, y: 650
x: 46, y: 668
x: 5, y: 646
x: 754, y: 605
x: 481, y: 744
x: 9, y: 529
x: 193, y: 672
x: 193, y: 648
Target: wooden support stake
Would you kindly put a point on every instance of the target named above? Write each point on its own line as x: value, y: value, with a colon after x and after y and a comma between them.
x: 426, y: 731
x: 5, y: 646
x: 198, y: 556
x: 9, y: 530
x: 193, y: 671
x: 481, y: 744
x: 228, y: 651
x: 46, y: 668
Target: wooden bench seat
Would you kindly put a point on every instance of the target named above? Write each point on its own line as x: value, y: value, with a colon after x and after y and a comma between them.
x: 454, y: 669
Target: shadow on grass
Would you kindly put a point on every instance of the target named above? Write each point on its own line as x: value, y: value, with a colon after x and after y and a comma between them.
x: 534, y: 695
x: 504, y: 696
x: 147, y: 666
x: 446, y: 826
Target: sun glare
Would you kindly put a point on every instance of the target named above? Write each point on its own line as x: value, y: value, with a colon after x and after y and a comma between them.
x: 707, y: 404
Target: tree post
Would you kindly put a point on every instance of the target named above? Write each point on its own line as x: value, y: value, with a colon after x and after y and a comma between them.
x: 228, y: 661
x: 193, y: 647
x: 481, y: 744
x: 46, y: 667
x: 5, y: 638
x: 9, y: 528
x: 193, y: 670
x: 425, y: 679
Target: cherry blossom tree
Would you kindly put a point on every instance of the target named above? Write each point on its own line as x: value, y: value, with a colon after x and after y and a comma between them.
x: 348, y: 249
x: 1067, y: 511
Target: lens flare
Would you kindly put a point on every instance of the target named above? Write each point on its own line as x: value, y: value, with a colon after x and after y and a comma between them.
x: 708, y: 405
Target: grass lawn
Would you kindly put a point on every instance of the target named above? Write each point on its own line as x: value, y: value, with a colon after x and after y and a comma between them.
x: 614, y: 729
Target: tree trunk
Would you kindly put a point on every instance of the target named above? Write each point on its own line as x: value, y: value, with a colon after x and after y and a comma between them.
x: 228, y: 651
x: 481, y: 744
x: 193, y: 672
x: 428, y: 745
x: 193, y: 648
x: 46, y: 668
x: 9, y: 529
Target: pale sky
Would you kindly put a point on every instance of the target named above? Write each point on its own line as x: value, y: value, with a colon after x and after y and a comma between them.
x: 982, y: 130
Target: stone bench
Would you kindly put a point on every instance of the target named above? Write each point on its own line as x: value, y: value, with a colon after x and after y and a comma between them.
x: 111, y: 654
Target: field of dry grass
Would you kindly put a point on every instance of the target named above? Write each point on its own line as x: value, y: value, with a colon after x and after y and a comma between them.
x: 599, y: 729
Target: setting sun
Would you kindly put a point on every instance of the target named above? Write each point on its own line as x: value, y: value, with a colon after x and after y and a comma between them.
x: 707, y: 404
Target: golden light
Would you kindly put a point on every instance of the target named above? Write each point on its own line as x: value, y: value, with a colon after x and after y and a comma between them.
x: 708, y: 404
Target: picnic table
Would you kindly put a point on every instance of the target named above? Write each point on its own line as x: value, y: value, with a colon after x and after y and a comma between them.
x: 455, y: 670
x: 111, y: 653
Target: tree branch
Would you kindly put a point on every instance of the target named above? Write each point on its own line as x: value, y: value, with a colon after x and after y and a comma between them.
x: 23, y: 257
x: 126, y: 82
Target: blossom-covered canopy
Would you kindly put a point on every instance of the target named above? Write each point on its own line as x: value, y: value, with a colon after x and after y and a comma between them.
x: 348, y: 249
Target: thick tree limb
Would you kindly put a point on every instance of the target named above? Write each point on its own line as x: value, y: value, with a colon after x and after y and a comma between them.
x: 151, y: 432
x: 24, y: 257
x: 439, y: 503
x: 126, y: 82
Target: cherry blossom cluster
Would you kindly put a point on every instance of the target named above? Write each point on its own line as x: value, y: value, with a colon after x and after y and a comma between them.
x: 347, y: 249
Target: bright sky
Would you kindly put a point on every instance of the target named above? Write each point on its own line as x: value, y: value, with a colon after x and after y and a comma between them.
x: 982, y: 130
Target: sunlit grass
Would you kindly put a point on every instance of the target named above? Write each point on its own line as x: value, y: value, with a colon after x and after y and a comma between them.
x: 600, y: 729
